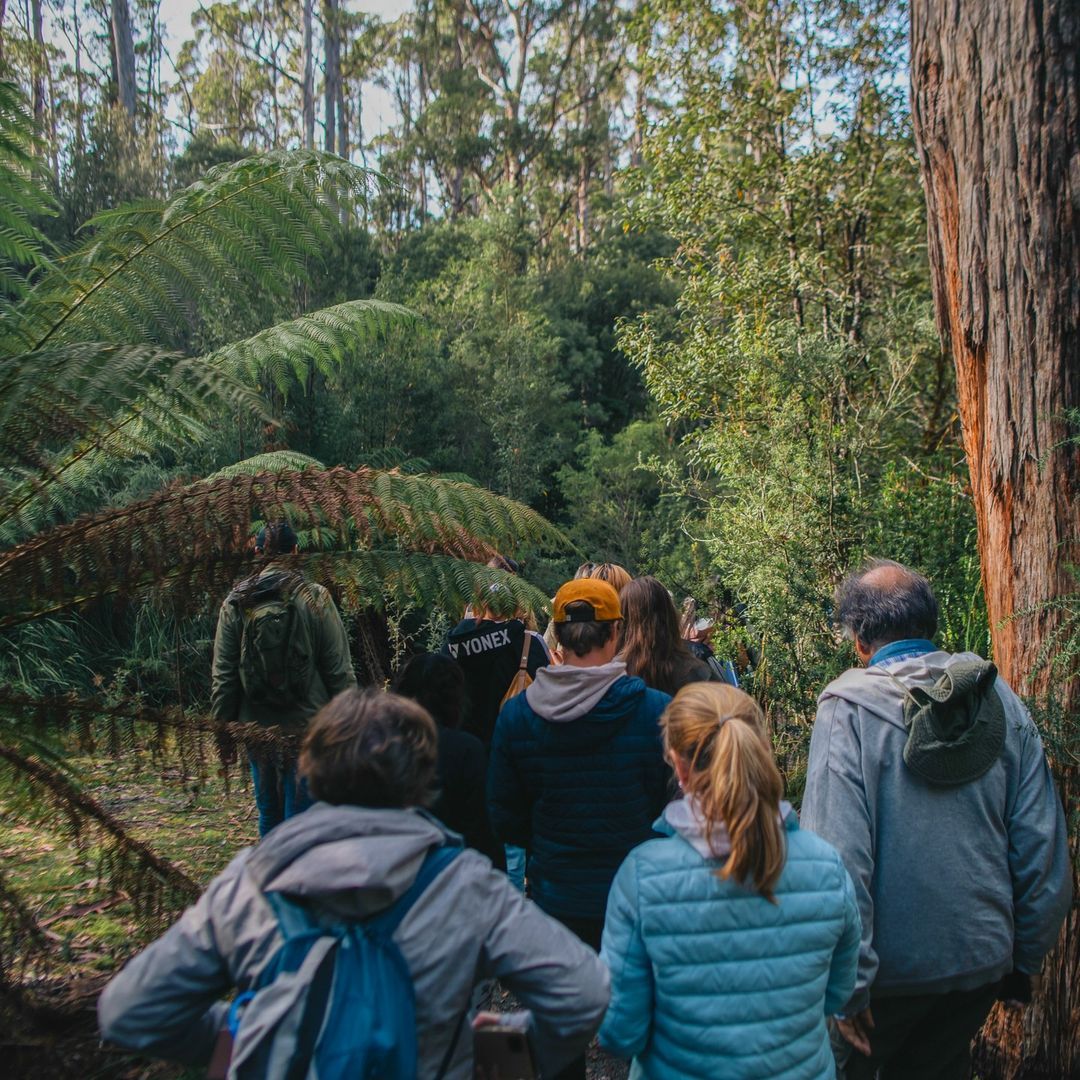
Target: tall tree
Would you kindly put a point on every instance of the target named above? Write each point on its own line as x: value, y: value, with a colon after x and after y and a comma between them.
x: 38, y: 65
x: 996, y: 98
x: 123, y: 56
x: 332, y: 71
x: 308, y: 84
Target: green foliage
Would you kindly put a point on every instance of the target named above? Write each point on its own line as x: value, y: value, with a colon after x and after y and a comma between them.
x: 803, y: 362
x: 22, y: 194
x: 89, y: 359
x: 615, y: 506
x: 103, y: 399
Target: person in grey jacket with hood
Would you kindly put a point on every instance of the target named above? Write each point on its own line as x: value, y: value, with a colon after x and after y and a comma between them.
x: 370, y: 759
x: 928, y: 776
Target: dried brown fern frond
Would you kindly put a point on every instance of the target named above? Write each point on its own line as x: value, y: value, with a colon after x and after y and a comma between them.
x: 157, y: 887
x: 197, y: 535
x: 22, y: 940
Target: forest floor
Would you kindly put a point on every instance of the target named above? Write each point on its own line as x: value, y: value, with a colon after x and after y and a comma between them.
x: 195, y: 823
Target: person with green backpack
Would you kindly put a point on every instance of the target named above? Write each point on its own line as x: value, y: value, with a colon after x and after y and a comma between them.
x: 356, y: 933
x: 280, y: 654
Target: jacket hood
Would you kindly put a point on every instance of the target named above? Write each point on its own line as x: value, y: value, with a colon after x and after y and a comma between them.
x: 683, y: 817
x: 353, y: 860
x: 875, y: 688
x: 270, y: 582
x: 561, y: 693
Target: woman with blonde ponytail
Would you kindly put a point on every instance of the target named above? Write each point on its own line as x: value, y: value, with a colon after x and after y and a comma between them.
x: 731, y: 939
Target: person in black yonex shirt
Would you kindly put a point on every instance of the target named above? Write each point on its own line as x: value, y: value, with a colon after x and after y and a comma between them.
x: 489, y: 649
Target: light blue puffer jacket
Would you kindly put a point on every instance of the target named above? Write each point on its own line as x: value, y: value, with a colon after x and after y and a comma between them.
x: 711, y: 980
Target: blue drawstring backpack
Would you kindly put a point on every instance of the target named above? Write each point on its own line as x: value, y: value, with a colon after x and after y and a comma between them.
x: 336, y: 1000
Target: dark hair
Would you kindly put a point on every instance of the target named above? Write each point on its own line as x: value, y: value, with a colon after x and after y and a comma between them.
x: 582, y: 637
x: 504, y: 562
x: 650, y: 641
x: 884, y: 601
x: 437, y: 683
x: 276, y: 538
x: 370, y: 748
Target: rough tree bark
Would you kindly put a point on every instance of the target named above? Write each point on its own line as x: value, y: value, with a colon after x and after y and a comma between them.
x: 996, y: 104
x: 123, y: 56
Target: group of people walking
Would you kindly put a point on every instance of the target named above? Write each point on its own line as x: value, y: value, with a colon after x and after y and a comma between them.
x: 629, y: 868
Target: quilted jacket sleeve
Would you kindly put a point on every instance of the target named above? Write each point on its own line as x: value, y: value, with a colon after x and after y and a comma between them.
x: 845, y: 959
x: 509, y: 803
x: 628, y: 1023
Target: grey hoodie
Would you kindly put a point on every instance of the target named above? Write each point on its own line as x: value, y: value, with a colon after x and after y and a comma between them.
x: 565, y: 692
x: 469, y: 925
x: 956, y: 885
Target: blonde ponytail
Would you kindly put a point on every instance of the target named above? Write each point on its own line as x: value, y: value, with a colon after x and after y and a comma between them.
x: 720, y: 732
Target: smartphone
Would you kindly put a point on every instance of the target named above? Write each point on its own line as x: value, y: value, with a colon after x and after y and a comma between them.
x: 502, y: 1053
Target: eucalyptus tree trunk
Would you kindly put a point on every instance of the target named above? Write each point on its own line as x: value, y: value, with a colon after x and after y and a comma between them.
x: 123, y: 56
x: 38, y: 67
x: 996, y: 104
x: 308, y: 84
x: 332, y: 71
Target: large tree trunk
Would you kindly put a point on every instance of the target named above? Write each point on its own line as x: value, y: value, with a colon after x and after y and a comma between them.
x: 38, y: 67
x: 996, y: 103
x: 123, y: 56
x: 308, y: 84
x: 332, y: 71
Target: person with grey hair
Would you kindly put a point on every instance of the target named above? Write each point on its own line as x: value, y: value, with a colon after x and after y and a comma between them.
x: 928, y: 775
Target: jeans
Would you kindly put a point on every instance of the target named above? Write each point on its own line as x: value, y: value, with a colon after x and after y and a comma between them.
x: 279, y: 794
x: 515, y: 866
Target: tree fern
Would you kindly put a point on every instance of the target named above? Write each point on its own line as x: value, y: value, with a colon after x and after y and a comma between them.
x: 92, y: 359
x: 134, y: 547
x: 96, y: 368
x: 22, y: 194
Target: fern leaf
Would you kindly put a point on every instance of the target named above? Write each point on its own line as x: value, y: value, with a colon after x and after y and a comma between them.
x: 133, y: 547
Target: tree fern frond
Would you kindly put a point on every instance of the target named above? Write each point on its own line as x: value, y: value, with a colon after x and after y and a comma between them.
x: 22, y: 939
x: 156, y: 885
x: 134, y: 547
x: 321, y: 338
x: 213, y: 234
x: 276, y: 461
x: 62, y: 406
x: 22, y: 193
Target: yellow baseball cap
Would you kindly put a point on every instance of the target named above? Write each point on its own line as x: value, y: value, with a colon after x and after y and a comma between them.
x: 601, y: 598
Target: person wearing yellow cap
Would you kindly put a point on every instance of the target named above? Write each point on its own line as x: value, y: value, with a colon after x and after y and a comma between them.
x: 577, y: 773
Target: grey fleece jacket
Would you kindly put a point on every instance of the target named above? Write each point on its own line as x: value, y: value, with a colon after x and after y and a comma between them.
x: 469, y: 925
x: 956, y: 885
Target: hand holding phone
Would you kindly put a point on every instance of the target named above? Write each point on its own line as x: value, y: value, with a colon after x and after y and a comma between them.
x: 501, y: 1048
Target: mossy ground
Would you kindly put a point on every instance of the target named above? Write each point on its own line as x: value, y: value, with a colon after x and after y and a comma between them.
x: 188, y: 815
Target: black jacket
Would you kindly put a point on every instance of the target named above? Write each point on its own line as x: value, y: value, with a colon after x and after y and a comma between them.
x: 489, y: 653
x: 462, y: 773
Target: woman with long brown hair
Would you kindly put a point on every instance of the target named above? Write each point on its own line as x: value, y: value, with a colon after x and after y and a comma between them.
x: 650, y: 641
x: 731, y: 939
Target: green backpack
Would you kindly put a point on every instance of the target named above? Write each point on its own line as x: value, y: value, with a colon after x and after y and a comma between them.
x: 276, y: 650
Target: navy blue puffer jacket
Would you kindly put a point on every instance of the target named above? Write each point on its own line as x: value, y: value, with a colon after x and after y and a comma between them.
x: 578, y: 793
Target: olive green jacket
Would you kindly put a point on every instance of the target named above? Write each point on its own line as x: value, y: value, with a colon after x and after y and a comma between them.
x: 332, y: 670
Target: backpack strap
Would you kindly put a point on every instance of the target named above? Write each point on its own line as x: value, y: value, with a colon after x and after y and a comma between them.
x: 524, y: 665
